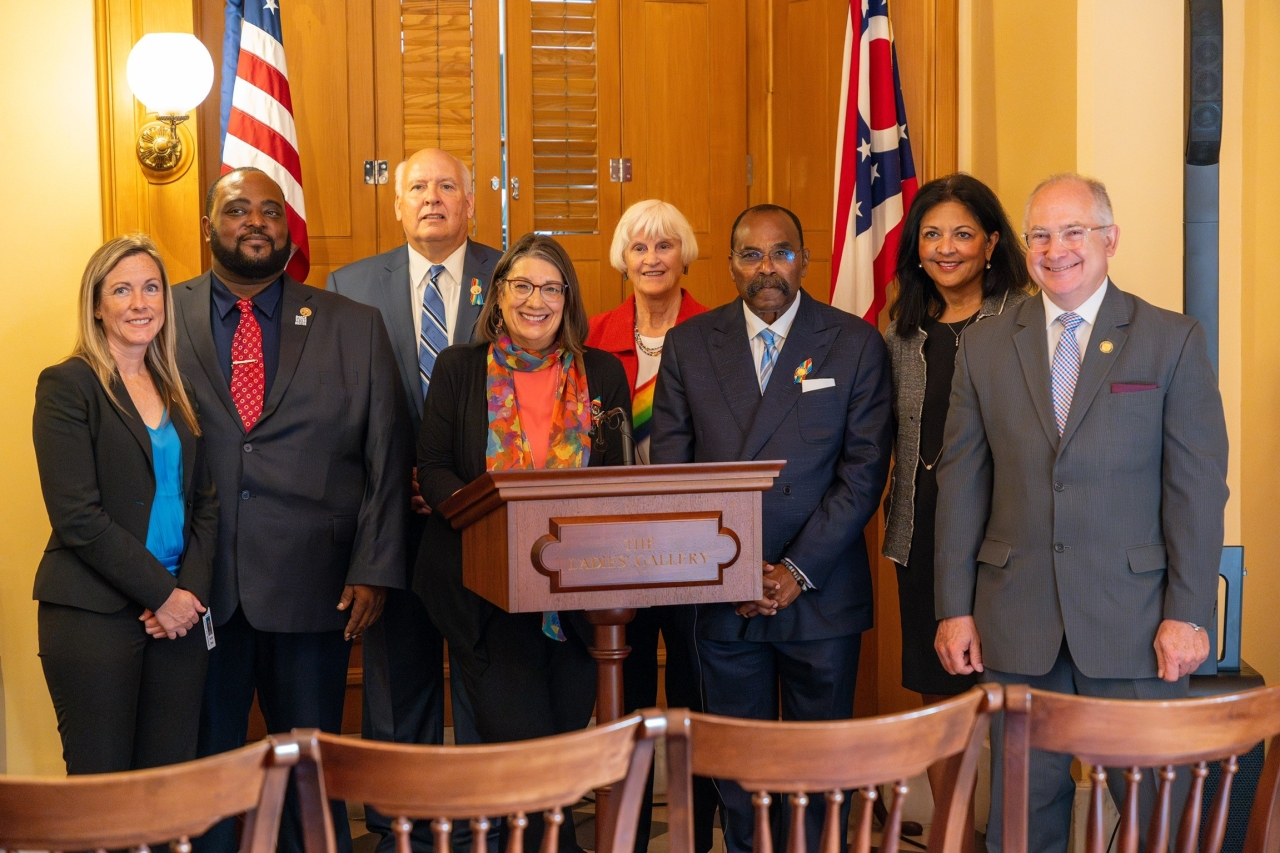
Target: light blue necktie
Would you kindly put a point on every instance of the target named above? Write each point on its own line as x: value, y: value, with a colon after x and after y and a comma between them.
x: 770, y: 356
x: 1066, y: 368
x: 435, y: 334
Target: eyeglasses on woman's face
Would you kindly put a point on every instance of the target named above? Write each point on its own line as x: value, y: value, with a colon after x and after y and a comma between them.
x: 522, y: 289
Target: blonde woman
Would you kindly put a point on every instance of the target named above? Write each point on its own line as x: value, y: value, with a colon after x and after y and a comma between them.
x: 134, y: 517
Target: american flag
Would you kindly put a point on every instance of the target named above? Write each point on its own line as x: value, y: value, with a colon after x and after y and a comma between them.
x: 875, y: 176
x: 257, y: 112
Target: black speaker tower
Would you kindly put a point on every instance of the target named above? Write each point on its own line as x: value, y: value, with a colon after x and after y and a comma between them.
x: 1200, y: 188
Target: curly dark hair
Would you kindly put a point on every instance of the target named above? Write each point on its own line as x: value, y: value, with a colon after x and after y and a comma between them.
x: 918, y: 296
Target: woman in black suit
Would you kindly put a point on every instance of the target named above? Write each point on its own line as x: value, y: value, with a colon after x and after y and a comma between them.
x: 520, y: 397
x: 134, y: 516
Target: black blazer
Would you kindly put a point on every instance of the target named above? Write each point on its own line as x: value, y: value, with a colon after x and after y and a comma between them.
x: 98, y: 480
x: 451, y: 453
x: 313, y: 497
x: 836, y: 440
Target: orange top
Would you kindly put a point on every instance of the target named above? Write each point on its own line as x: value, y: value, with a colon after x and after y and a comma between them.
x: 535, y: 398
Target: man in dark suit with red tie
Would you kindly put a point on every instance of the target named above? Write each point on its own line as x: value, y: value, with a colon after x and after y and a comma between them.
x: 308, y: 441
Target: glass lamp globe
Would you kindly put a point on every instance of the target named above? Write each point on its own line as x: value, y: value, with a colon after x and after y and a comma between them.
x: 171, y: 73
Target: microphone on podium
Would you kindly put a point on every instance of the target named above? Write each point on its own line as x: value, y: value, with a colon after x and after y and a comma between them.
x: 616, y: 418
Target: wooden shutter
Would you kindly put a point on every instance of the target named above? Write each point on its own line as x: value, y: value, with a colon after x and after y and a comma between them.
x: 439, y: 77
x: 566, y: 176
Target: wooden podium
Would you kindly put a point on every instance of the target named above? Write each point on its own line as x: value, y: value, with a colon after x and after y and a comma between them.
x: 609, y: 540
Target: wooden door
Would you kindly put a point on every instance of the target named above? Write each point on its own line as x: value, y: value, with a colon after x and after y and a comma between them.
x: 684, y: 122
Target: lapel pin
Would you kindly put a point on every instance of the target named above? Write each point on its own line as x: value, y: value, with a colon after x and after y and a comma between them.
x: 1106, y: 346
x: 476, y: 297
x: 303, y: 313
x: 803, y: 370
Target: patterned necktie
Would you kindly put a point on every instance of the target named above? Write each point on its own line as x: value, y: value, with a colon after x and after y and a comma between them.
x: 435, y: 334
x: 248, y: 373
x: 1066, y: 368
x: 770, y: 339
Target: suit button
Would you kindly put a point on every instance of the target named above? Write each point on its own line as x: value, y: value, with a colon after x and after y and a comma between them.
x: 786, y: 490
x: 1059, y: 547
x: 248, y: 448
x: 244, y: 496
x: 1057, y: 486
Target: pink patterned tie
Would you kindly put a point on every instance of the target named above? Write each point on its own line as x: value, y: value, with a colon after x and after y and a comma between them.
x: 248, y: 373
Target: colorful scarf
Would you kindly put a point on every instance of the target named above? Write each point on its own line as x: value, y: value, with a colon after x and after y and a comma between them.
x: 508, y: 446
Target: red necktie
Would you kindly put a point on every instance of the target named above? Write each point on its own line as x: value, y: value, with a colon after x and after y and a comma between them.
x: 248, y: 374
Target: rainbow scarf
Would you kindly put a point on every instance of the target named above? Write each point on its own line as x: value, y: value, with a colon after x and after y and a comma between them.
x: 642, y: 409
x: 508, y: 446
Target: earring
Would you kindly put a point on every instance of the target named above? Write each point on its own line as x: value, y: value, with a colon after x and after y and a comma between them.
x: 920, y: 265
x: 686, y: 269
x: 988, y: 264
x: 624, y: 276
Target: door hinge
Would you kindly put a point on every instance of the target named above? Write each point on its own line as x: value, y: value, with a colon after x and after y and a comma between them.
x: 375, y: 171
x: 620, y: 170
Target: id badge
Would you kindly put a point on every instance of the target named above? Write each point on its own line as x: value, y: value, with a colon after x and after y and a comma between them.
x: 207, y: 621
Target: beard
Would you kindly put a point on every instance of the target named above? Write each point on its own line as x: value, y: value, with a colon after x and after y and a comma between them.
x: 235, y: 261
x: 762, y: 281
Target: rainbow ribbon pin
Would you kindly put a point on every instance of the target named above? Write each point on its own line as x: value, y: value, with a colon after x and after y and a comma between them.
x: 477, y: 297
x: 803, y: 370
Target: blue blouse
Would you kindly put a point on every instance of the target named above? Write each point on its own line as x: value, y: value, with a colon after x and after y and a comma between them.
x: 164, y: 532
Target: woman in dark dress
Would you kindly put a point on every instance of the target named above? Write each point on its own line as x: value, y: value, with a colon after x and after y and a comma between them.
x: 958, y: 264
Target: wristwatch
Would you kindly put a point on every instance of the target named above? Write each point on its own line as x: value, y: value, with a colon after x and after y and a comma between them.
x: 1196, y: 627
x: 801, y: 580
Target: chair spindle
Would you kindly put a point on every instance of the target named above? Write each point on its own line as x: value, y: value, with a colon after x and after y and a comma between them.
x: 796, y: 842
x: 517, y: 824
x: 1094, y: 830
x: 401, y: 827
x: 479, y: 834
x: 1127, y: 834
x: 831, y: 828
x: 1189, y: 827
x: 1216, y: 833
x: 1158, y: 834
x: 183, y: 845
x: 863, y: 842
x: 762, y: 841
x: 442, y: 828
x: 892, y: 832
x: 551, y: 838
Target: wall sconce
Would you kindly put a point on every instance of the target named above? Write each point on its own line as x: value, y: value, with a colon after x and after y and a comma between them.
x: 170, y: 73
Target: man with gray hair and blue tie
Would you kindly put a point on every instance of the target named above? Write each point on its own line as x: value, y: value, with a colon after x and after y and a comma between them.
x: 430, y: 293
x: 1081, y: 494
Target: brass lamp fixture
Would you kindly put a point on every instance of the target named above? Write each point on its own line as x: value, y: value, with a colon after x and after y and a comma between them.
x: 170, y: 73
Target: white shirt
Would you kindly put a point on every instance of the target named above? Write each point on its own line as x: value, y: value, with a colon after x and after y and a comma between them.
x: 450, y: 284
x: 1088, y: 312
x: 780, y: 327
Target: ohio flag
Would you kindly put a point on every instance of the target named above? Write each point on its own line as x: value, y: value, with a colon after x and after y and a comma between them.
x: 257, y: 112
x: 875, y: 176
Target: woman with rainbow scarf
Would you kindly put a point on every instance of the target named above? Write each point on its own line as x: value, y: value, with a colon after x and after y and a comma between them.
x: 520, y: 397
x: 653, y: 246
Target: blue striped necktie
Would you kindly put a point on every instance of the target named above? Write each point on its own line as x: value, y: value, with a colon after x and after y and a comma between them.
x: 1066, y: 368
x: 770, y: 356
x: 435, y: 335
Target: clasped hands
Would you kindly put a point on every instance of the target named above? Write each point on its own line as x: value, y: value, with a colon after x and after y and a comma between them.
x: 1180, y: 648
x: 780, y: 590
x: 181, y: 611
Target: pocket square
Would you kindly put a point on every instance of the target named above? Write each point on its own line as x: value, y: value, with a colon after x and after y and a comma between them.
x: 1132, y: 387
x: 815, y: 384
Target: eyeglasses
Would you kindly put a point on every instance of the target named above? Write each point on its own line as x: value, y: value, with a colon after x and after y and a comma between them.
x: 1072, y: 237
x: 754, y: 257
x: 552, y: 291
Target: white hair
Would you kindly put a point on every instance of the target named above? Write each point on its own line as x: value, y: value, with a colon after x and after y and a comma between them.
x: 462, y: 170
x: 651, y: 219
x: 1102, y: 211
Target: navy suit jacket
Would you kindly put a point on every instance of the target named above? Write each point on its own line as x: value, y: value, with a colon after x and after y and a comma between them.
x: 313, y: 497
x: 383, y: 282
x: 836, y: 442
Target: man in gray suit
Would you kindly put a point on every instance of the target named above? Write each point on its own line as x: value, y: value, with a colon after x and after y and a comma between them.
x: 1081, y: 493
x: 430, y: 293
x: 307, y: 437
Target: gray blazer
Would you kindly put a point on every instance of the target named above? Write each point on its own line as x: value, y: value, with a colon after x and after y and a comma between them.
x: 313, y: 497
x: 1097, y: 535
x: 383, y: 282
x: 907, y: 375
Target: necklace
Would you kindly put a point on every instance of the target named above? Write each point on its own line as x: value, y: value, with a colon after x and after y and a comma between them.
x: 930, y: 465
x: 963, y: 326
x: 651, y: 351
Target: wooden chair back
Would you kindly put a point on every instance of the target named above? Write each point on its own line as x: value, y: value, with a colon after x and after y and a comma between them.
x: 831, y: 757
x: 1132, y: 735
x: 478, y: 783
x: 141, y: 808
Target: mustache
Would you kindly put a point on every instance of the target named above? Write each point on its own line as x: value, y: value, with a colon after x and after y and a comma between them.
x: 764, y: 281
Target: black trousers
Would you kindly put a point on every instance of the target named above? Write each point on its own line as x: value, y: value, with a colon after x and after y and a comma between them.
x: 403, y: 700
x: 301, y: 682
x: 124, y: 701
x: 524, y: 685
x: 815, y: 680
x: 640, y: 690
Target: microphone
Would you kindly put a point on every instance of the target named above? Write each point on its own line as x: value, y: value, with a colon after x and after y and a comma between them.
x: 616, y: 418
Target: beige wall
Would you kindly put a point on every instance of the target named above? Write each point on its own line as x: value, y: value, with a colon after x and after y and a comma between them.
x: 49, y: 225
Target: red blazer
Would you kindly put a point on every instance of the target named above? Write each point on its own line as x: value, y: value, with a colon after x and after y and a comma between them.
x: 615, y: 331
